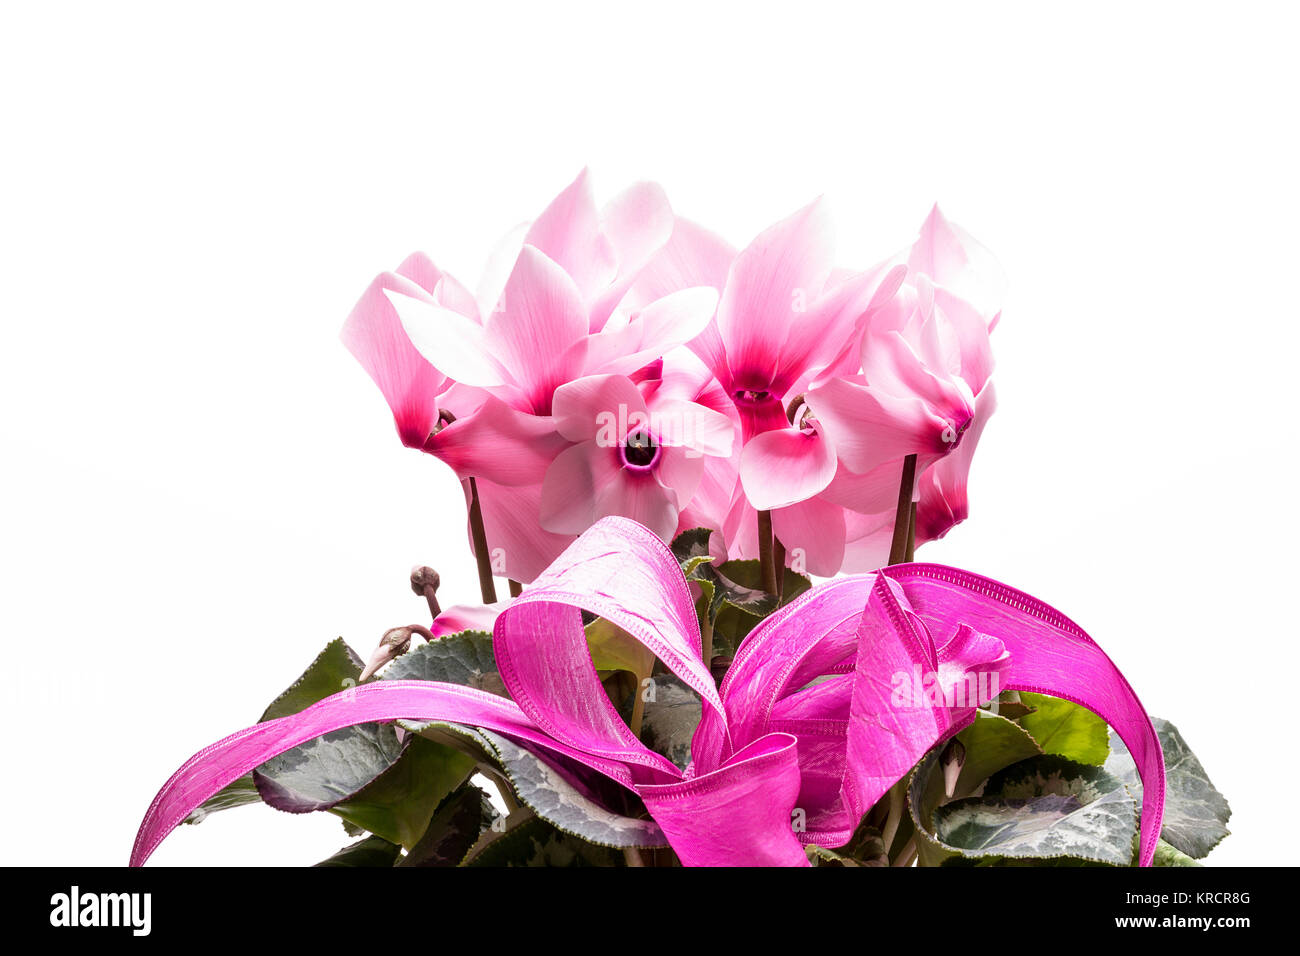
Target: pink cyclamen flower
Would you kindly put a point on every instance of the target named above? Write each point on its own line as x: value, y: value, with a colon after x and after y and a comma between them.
x: 374, y: 335
x: 639, y: 457
x: 784, y: 316
x: 805, y: 717
x: 930, y: 347
x: 553, y: 318
x: 472, y: 382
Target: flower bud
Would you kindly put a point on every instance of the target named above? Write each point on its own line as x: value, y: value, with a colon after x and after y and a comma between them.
x: 393, y: 645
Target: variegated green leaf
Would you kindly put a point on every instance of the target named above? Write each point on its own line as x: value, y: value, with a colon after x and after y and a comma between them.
x: 691, y: 549
x: 670, y: 719
x: 560, y: 800
x: 991, y: 742
x: 372, y: 851
x: 456, y: 826
x: 1196, y: 814
x: 335, y: 668
x: 465, y: 658
x: 1043, y: 808
x: 528, y: 840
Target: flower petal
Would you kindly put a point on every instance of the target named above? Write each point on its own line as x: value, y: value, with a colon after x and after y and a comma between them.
x: 692, y: 256
x: 817, y: 335
x: 782, y: 270
x: 642, y: 498
x: 518, y: 546
x: 892, y: 366
x: 419, y: 268
x: 680, y: 472
x: 542, y: 316
x: 867, y: 539
x: 499, y: 443
x: 785, y: 466
x: 949, y: 256
x: 568, y: 232
x: 571, y: 485
x: 453, y: 344
x: 870, y: 427
x: 500, y: 263
x: 943, y: 502
x: 651, y: 332
x: 812, y: 531
x: 637, y: 223
x: 872, y: 492
x: 466, y: 617
x: 374, y: 335
x: 600, y: 407
x: 679, y: 423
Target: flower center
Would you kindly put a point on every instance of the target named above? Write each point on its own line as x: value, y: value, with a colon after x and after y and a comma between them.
x: 640, y: 451
x: 801, y: 416
x: 751, y: 396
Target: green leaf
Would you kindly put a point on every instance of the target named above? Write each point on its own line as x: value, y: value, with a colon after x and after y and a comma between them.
x: 1010, y: 705
x: 528, y: 840
x: 613, y: 649
x: 372, y: 851
x: 568, y: 799
x: 1045, y: 807
x: 820, y: 856
x: 456, y: 825
x: 329, y: 769
x: 865, y: 848
x: 1196, y: 814
x: 236, y: 794
x: 992, y: 742
x: 732, y: 596
x: 1065, y: 728
x: 399, y: 803
x: 465, y: 658
x: 669, y: 721
x: 691, y: 548
x: 738, y: 603
x: 1167, y: 855
x: 336, y: 668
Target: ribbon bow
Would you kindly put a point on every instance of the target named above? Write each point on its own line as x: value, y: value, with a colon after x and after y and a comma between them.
x: 819, y: 709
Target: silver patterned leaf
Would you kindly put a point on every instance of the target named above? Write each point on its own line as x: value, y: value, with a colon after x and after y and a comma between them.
x: 1043, y: 808
x: 566, y: 801
x: 1196, y: 814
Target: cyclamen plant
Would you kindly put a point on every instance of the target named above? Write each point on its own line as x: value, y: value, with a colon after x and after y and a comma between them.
x: 660, y: 439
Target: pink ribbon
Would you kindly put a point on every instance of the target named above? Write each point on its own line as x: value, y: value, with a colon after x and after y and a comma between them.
x: 770, y: 739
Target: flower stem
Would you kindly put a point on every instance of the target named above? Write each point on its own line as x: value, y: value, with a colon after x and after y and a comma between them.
x: 516, y: 588
x: 778, y: 565
x: 910, y: 553
x: 897, y: 801
x: 903, y: 516
x: 706, y: 637
x: 766, y: 559
x: 479, y: 536
x: 907, y: 855
x: 638, y: 705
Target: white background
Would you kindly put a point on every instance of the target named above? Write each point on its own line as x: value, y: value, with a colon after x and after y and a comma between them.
x: 200, y: 487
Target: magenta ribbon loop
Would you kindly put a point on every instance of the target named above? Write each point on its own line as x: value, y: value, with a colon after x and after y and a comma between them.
x: 815, y: 719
